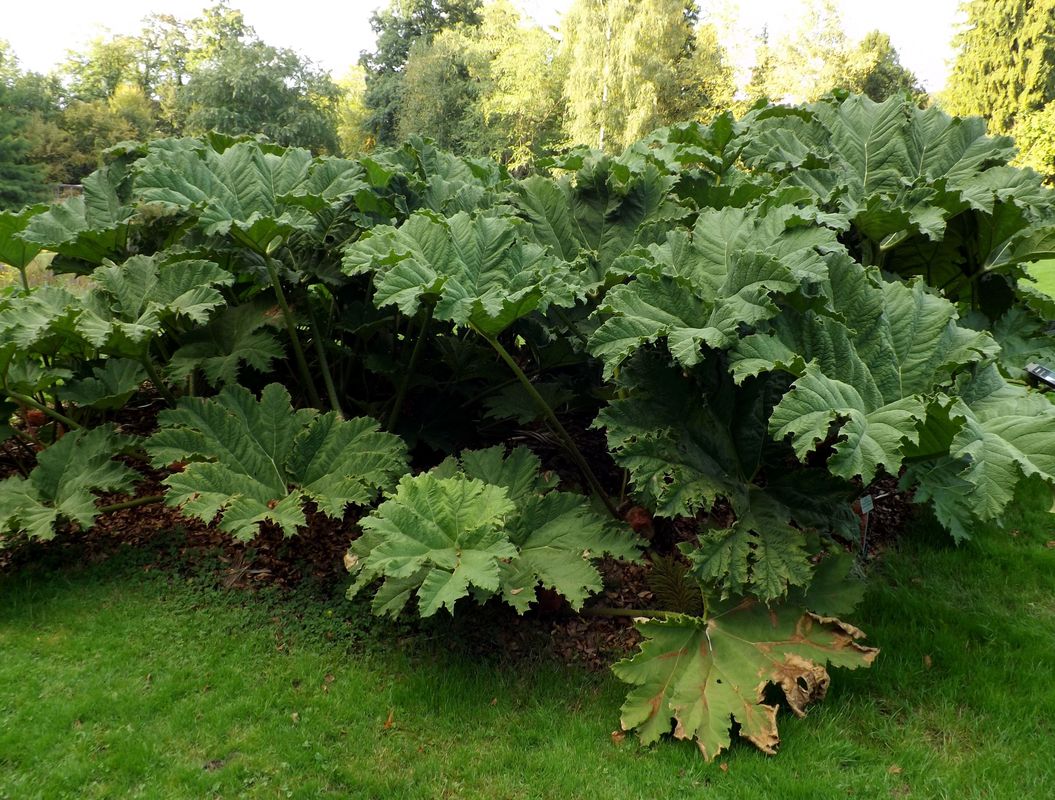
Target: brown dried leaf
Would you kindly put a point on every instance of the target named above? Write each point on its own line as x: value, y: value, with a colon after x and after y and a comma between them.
x: 704, y: 673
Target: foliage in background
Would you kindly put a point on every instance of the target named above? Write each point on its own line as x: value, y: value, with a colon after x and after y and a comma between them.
x: 817, y: 57
x: 20, y: 182
x: 398, y: 28
x: 635, y: 65
x: 492, y: 89
x: 1004, y: 67
x: 474, y: 76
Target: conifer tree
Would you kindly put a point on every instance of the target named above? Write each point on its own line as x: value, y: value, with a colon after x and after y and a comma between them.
x: 20, y: 181
x: 1006, y: 63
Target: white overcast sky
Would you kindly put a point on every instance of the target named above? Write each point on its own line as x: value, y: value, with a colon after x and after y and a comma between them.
x: 333, y: 33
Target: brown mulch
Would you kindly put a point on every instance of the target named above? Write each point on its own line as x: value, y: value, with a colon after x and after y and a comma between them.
x: 892, y: 509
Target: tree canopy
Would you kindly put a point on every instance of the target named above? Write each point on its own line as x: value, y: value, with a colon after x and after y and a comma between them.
x: 476, y: 76
x: 1005, y: 66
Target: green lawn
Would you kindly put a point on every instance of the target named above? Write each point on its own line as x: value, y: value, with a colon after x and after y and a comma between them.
x: 1044, y: 272
x: 118, y: 682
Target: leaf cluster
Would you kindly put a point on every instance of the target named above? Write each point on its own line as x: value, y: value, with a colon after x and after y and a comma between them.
x: 487, y: 524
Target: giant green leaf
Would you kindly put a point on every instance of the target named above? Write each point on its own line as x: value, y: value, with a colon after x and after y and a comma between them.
x: 925, y: 165
x: 237, y: 192
x: 869, y: 377
x: 15, y: 251
x: 477, y: 270
x: 86, y: 229
x: 687, y: 444
x: 64, y: 483
x: 759, y: 553
x: 977, y: 446
x: 42, y: 321
x: 704, y: 290
x: 135, y: 299
x: 600, y: 215
x: 489, y: 523
x: 557, y: 534
x: 254, y: 461
x: 108, y: 387
x: 236, y: 336
x: 438, y: 537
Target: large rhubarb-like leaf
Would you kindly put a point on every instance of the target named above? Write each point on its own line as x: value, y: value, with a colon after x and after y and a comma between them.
x: 707, y: 674
x: 133, y: 300
x: 436, y: 537
x: 42, y: 321
x: 237, y: 336
x: 594, y: 218
x: 557, y: 534
x: 15, y: 251
x: 476, y: 270
x: 868, y: 378
x: 703, y: 290
x: 760, y: 553
x: 63, y: 484
x: 689, y: 442
x: 253, y: 461
x: 85, y: 230
x: 238, y: 192
x: 109, y: 386
x: 487, y: 523
x: 976, y: 449
x: 892, y: 169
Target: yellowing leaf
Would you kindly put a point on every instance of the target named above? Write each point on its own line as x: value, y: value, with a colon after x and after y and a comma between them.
x: 704, y: 674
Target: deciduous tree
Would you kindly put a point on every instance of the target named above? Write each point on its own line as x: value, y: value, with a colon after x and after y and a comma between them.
x: 256, y: 88
x: 398, y: 27
x: 634, y: 65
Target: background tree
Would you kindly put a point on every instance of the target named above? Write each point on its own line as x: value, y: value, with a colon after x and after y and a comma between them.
x: 632, y: 65
x: 1034, y: 134
x: 20, y: 181
x: 874, y: 69
x: 708, y: 85
x: 817, y: 57
x: 352, y: 113
x: 91, y: 126
x: 1005, y: 66
x: 256, y: 88
x: 440, y: 97
x: 810, y: 60
x: 489, y: 89
x: 761, y: 72
x: 95, y: 72
x: 398, y: 27
x: 522, y: 99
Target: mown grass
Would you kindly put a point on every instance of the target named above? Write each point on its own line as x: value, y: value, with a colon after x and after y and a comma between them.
x: 1044, y: 272
x: 115, y: 682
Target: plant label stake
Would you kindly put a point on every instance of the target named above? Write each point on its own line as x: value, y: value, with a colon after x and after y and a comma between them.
x: 1040, y: 376
x: 863, y: 506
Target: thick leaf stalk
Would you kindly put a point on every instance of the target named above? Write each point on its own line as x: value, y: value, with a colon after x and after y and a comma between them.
x: 415, y: 356
x: 324, y: 362
x: 558, y: 428
x: 291, y: 329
